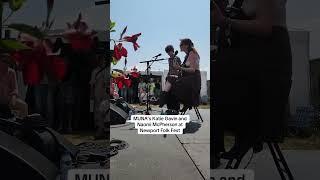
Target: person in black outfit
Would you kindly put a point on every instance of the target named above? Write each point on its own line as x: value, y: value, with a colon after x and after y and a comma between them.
x: 166, y: 96
x: 65, y: 97
x: 157, y: 88
x: 252, y: 76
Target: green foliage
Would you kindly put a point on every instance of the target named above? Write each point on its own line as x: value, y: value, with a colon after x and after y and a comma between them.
x: 16, y: 4
x: 12, y: 45
x: 27, y: 29
x: 112, y: 25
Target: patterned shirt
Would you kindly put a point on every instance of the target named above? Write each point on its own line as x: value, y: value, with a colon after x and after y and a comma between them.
x: 172, y: 70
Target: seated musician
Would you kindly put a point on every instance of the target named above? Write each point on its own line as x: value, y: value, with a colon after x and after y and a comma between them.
x: 186, y: 88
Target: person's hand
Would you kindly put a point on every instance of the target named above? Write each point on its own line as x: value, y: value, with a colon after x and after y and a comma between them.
x: 218, y: 17
x: 176, y: 66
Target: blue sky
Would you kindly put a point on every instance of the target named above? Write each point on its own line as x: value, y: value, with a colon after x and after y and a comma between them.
x: 162, y: 22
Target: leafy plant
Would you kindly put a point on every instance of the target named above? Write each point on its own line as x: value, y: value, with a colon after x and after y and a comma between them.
x: 27, y: 29
x: 112, y: 25
x: 12, y: 45
x: 15, y: 5
x: 40, y: 33
x: 119, y: 50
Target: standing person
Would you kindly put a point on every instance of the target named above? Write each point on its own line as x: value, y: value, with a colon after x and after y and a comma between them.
x: 151, y: 87
x: 157, y: 89
x: 50, y: 81
x: 134, y: 88
x: 141, y: 90
x: 258, y: 65
x: 81, y: 41
x: 36, y: 67
x: 9, y: 90
x: 130, y: 95
x: 99, y: 83
x: 172, y: 74
x: 65, y: 96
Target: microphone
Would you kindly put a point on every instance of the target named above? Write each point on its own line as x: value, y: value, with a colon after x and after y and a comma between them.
x: 175, y: 54
x: 157, y: 55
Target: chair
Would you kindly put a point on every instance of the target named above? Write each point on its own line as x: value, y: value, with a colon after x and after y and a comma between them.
x: 278, y: 158
x: 196, y: 110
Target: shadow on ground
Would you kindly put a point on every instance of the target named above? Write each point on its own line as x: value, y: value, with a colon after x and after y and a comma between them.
x: 192, y: 127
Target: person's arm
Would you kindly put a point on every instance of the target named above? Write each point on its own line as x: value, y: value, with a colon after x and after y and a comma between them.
x: 92, y: 83
x: 68, y: 32
x: 261, y: 25
x: 48, y: 49
x: 192, y: 59
x: 179, y: 60
x: 34, y: 40
x: 13, y: 87
x: 54, y: 54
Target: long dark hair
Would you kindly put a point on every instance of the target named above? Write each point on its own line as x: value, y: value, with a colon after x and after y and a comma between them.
x: 191, y: 48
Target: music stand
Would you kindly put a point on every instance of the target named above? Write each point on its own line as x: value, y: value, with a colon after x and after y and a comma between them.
x: 148, y: 79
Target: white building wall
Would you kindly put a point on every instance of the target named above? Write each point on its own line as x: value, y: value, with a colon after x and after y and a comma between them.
x: 300, y: 90
x: 204, y: 86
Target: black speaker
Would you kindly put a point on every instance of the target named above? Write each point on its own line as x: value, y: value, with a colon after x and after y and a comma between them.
x: 5, y: 111
x: 29, y: 149
x: 117, y: 115
x: 20, y: 160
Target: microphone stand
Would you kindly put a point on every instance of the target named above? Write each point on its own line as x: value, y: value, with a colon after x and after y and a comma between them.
x: 148, y: 80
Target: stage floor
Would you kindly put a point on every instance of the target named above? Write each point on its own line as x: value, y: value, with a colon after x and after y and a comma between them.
x: 154, y: 157
x: 304, y: 164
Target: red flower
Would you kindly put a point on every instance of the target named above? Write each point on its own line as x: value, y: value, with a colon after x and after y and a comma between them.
x: 127, y: 82
x: 119, y: 81
x: 17, y: 57
x: 133, y: 39
x: 120, y: 84
x: 135, y: 74
x: 122, y: 80
x: 58, y: 67
x: 79, y: 41
x: 119, y: 51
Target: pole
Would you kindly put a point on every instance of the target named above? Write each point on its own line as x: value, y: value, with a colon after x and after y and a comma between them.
x: 148, y: 78
x: 102, y: 2
x: 1, y: 13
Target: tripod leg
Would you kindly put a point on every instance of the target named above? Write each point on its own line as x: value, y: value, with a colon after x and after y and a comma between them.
x: 229, y: 165
x: 238, y: 161
x: 283, y: 161
x: 276, y: 160
x: 196, y: 110
x: 236, y: 165
x: 198, y: 114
